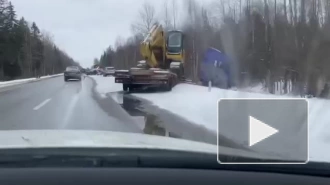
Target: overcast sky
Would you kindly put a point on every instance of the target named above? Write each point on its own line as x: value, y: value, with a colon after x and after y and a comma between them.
x: 84, y: 28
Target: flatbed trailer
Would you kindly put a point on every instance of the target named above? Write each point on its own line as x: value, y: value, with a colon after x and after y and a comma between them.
x: 144, y: 78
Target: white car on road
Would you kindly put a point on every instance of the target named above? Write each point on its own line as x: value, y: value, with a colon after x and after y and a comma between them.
x: 109, y: 71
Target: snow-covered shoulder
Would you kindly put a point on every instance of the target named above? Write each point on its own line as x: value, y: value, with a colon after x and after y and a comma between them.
x: 196, y: 103
x: 106, y: 85
x: 21, y: 81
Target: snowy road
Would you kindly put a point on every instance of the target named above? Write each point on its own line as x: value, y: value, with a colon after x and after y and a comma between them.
x: 55, y: 104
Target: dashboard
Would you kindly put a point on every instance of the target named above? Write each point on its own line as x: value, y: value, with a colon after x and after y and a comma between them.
x: 64, y: 166
x: 106, y: 176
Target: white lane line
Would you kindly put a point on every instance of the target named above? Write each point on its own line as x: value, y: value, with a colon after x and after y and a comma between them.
x: 42, y: 104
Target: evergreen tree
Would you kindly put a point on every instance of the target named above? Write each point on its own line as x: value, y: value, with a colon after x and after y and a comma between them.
x: 23, y: 50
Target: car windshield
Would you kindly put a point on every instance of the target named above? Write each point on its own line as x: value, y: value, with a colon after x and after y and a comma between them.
x: 249, y: 75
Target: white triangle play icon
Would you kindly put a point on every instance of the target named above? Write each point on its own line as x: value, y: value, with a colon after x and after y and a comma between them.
x: 259, y: 131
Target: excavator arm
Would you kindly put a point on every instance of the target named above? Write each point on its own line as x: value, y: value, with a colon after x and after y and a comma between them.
x: 152, y: 48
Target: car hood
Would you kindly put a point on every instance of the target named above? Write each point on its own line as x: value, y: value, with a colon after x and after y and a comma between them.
x: 108, y: 139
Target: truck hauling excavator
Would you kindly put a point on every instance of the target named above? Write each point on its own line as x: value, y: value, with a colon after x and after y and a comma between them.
x: 162, y: 66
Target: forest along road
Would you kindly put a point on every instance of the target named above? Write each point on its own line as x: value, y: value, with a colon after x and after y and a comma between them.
x: 55, y: 104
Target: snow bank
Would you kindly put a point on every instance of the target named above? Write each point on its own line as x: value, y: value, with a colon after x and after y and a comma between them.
x: 199, y: 106
x: 26, y: 80
x: 278, y: 88
x: 106, y: 85
x: 195, y: 103
x: 255, y: 89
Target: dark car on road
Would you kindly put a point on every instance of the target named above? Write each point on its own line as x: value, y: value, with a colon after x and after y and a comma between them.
x: 72, y: 72
x: 91, y: 72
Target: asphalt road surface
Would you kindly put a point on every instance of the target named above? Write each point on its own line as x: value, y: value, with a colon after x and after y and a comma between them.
x: 55, y: 104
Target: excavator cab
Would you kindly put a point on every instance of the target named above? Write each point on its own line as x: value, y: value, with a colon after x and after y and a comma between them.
x: 175, y: 52
x: 174, y: 42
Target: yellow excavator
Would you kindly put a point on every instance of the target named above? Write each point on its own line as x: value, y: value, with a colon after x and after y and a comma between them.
x: 163, y: 62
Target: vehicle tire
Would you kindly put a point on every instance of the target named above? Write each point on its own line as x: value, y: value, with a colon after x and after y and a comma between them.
x: 130, y: 89
x: 168, y: 86
x: 125, y: 87
x: 65, y: 79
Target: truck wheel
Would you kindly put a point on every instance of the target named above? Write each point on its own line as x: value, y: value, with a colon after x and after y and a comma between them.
x: 168, y: 86
x: 65, y: 79
x: 125, y: 87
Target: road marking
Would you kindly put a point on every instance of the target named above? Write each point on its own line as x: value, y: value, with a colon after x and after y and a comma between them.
x: 69, y: 111
x: 41, y: 104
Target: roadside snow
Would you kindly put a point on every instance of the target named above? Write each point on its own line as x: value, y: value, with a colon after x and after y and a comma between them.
x: 259, y: 88
x: 26, y: 80
x: 199, y: 106
x: 106, y: 85
x: 255, y: 89
x: 195, y: 103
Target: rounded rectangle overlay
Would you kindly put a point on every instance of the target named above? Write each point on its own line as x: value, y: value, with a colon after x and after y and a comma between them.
x: 263, y: 131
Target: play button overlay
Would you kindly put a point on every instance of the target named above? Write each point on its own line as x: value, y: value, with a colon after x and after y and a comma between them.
x: 263, y: 131
x: 259, y: 131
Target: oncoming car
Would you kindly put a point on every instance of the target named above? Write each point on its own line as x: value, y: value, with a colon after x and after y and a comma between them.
x: 72, y: 72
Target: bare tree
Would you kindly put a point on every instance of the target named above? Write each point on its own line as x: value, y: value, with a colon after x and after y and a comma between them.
x: 174, y: 8
x: 219, y: 9
x: 120, y: 41
x: 167, y: 17
x: 47, y: 37
x: 48, y: 40
x: 146, y: 19
x: 269, y: 40
x: 285, y: 9
x: 326, y: 5
x: 291, y: 12
x: 295, y: 11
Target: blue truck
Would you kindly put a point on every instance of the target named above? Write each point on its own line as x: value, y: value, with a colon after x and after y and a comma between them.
x: 215, y: 67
